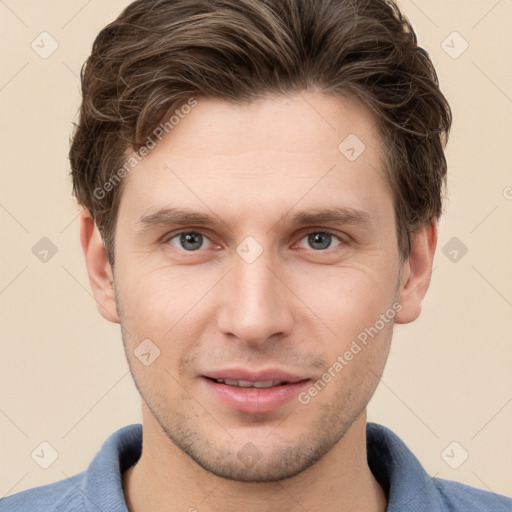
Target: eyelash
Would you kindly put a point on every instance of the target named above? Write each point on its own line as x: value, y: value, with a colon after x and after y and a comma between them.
x: 341, y: 241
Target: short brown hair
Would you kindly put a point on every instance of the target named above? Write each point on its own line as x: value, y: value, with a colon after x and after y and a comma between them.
x: 158, y: 54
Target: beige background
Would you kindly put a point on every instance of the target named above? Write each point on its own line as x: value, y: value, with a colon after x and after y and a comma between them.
x: 64, y: 379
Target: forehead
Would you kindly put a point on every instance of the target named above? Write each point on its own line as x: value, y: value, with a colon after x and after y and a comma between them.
x: 302, y: 123
x: 276, y: 151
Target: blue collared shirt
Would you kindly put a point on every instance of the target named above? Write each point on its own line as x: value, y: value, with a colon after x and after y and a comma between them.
x: 408, y: 487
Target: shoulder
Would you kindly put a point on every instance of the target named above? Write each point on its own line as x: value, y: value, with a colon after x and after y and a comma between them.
x: 410, y: 487
x: 64, y: 495
x: 99, y: 487
x: 461, y: 497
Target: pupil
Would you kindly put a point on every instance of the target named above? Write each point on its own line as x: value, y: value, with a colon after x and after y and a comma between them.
x: 191, y: 241
x: 320, y: 240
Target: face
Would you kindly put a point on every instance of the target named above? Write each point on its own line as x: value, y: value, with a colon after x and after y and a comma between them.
x: 251, y: 246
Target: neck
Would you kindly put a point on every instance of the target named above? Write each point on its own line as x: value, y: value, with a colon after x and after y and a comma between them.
x: 165, y: 478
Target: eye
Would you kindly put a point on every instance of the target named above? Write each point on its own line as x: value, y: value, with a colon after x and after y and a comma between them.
x: 320, y: 240
x: 189, y: 241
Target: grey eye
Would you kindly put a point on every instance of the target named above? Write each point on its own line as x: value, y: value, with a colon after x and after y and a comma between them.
x: 319, y: 240
x: 189, y: 241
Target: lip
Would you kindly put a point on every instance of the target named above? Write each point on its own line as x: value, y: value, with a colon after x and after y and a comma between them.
x: 255, y: 376
x: 254, y: 400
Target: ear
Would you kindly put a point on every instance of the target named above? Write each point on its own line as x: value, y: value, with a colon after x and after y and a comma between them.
x: 416, y: 272
x: 100, y: 272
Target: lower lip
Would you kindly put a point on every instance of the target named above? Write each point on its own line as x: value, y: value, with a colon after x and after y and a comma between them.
x: 254, y: 400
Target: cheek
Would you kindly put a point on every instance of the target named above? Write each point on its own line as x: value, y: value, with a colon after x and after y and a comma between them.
x: 160, y: 296
x: 349, y: 300
x: 168, y: 308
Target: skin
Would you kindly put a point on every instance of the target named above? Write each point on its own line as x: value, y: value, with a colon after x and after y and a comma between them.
x: 296, y: 307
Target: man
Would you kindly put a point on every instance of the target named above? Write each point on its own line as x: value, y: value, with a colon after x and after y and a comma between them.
x: 261, y: 183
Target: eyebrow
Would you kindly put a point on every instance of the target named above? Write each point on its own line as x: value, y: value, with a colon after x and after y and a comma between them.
x: 184, y: 216
x: 336, y: 215
x: 178, y: 216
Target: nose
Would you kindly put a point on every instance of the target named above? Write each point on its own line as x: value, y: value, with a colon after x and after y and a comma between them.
x: 255, y: 304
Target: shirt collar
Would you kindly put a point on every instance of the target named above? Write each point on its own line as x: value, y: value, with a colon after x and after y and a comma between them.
x: 407, y: 485
x: 398, y: 471
x: 103, y: 484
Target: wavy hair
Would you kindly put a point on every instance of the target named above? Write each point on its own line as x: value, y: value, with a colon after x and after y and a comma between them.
x: 158, y: 54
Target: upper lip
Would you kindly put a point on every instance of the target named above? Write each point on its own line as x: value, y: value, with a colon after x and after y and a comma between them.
x: 254, y: 376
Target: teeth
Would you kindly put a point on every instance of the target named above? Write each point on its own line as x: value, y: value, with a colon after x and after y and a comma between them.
x: 249, y: 384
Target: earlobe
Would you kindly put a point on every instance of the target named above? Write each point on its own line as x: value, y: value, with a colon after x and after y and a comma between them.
x: 416, y: 273
x: 98, y: 267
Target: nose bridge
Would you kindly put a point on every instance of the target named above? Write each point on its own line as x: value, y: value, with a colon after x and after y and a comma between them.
x: 255, y: 304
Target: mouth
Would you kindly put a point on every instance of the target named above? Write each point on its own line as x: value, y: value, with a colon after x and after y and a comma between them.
x: 254, y: 395
x: 262, y: 384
